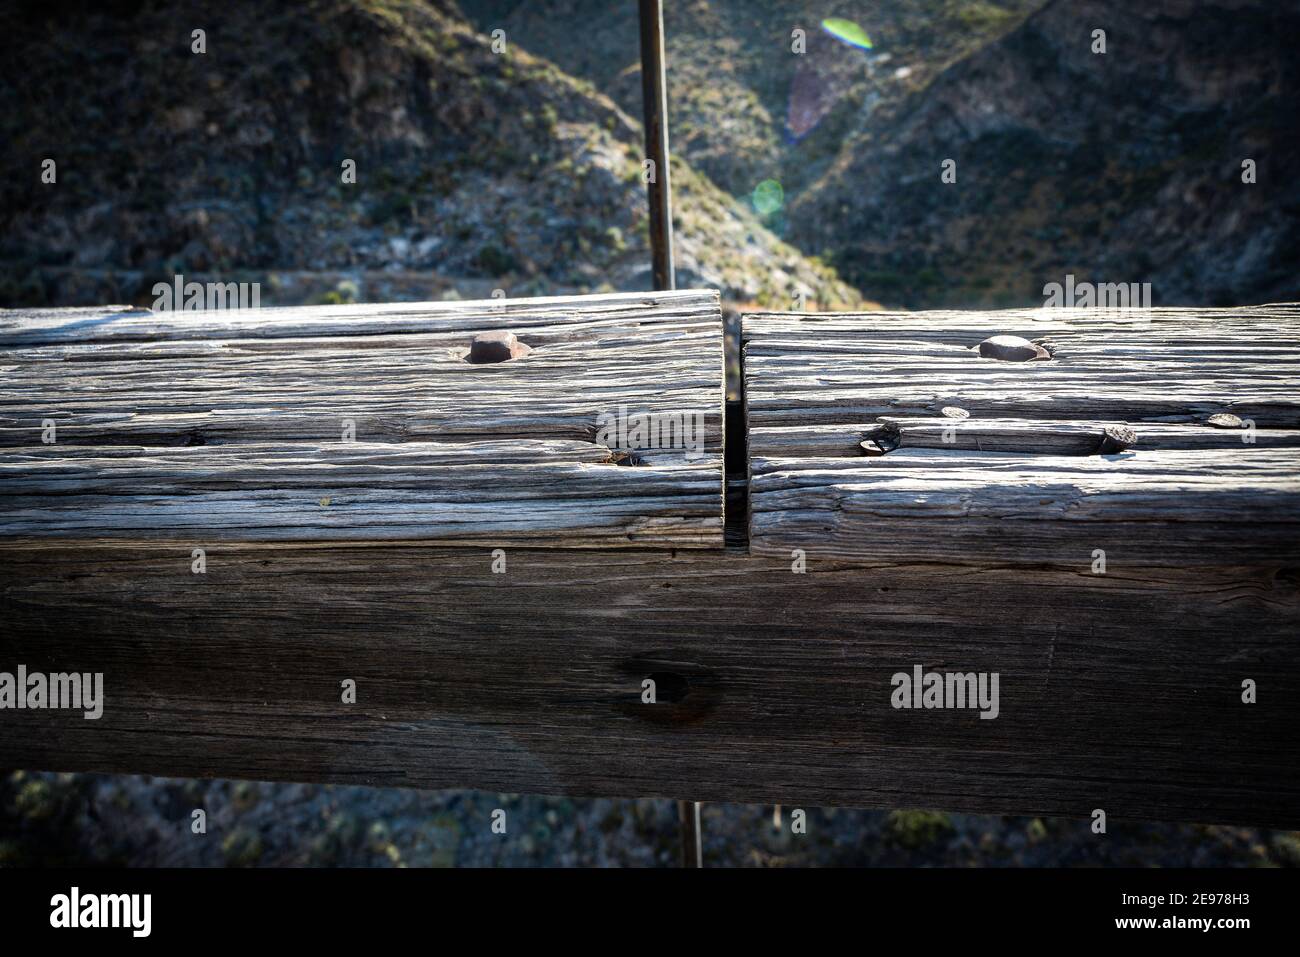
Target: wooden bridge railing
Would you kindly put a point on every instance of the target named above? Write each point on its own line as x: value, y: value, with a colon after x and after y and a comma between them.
x: 501, y: 591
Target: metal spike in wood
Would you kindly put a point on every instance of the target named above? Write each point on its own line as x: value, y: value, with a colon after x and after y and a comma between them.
x: 1115, y: 439
x: 884, y: 437
x: 496, y: 346
x: 1012, y: 349
x: 1224, y: 420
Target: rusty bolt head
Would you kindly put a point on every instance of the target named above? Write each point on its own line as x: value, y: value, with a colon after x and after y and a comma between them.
x: 1116, y: 438
x: 1012, y: 349
x: 499, y: 346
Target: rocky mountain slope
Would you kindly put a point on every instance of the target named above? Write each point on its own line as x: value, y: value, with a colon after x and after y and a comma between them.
x: 475, y: 169
x: 734, y: 79
x: 520, y: 170
x: 1117, y: 167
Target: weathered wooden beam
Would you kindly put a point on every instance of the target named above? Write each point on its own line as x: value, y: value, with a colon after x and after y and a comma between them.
x: 1158, y: 437
x: 559, y: 494
x: 1141, y: 366
x: 551, y: 318
x: 1143, y: 508
x: 369, y: 424
x: 1121, y: 692
x: 176, y: 388
x: 1122, y: 688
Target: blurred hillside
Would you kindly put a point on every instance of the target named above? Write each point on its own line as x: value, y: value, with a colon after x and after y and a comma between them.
x: 733, y: 79
x: 1122, y: 167
x: 474, y: 169
x: 520, y: 170
x: 120, y: 820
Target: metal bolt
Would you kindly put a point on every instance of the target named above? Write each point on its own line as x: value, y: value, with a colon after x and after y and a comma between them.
x: 1012, y: 349
x: 500, y: 346
x: 1116, y: 438
x: 1225, y: 420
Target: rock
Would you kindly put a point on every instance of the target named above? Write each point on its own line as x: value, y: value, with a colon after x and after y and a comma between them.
x: 500, y: 346
x: 1012, y: 349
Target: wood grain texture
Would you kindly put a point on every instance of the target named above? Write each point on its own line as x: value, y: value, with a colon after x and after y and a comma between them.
x: 1170, y: 365
x: 561, y: 494
x: 1120, y: 692
x: 995, y: 435
x: 1141, y: 508
x: 986, y: 460
x: 557, y: 318
x: 231, y: 424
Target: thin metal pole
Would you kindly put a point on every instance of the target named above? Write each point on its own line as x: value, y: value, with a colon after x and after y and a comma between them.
x: 688, y: 820
x: 654, y: 100
x: 659, y: 193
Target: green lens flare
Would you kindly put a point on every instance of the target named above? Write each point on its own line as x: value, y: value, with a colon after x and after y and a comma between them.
x: 847, y: 31
x: 768, y: 197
